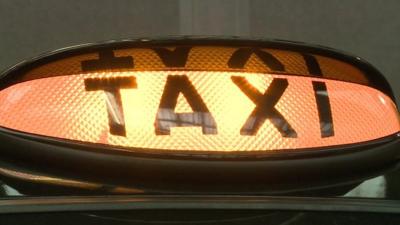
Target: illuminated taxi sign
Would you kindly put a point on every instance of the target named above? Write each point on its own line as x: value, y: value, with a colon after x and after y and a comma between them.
x: 199, y: 115
x: 200, y: 98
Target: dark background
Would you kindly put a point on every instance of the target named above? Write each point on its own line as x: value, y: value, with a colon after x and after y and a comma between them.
x: 367, y: 28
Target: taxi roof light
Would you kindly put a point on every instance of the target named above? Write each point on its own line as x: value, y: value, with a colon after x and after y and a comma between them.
x: 236, y: 105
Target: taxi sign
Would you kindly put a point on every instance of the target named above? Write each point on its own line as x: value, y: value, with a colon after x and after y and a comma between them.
x: 197, y: 98
x: 199, y: 111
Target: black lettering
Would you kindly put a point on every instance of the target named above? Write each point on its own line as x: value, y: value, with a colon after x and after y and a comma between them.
x: 174, y: 58
x: 265, y: 107
x: 324, y: 109
x: 106, y: 61
x: 240, y: 57
x: 166, y: 116
x: 312, y: 65
x: 321, y: 97
x: 111, y: 87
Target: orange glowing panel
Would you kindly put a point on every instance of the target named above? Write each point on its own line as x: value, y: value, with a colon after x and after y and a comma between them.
x: 199, y: 110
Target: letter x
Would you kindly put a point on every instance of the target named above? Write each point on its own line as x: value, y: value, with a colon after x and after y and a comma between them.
x: 265, y: 107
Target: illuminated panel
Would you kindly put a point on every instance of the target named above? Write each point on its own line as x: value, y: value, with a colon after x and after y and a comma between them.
x: 214, y: 111
x: 209, y: 58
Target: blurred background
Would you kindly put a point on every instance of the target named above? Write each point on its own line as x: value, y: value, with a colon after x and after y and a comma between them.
x: 367, y: 28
